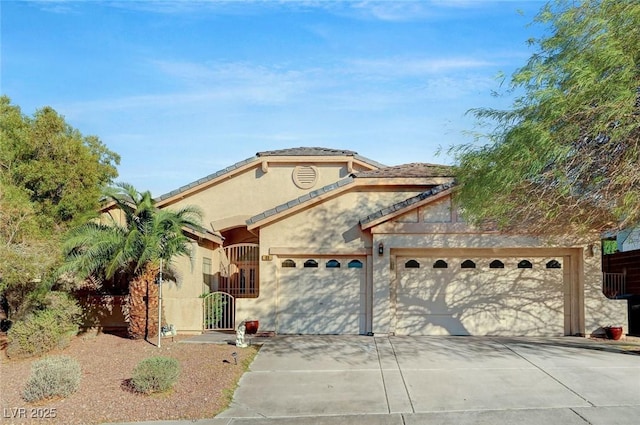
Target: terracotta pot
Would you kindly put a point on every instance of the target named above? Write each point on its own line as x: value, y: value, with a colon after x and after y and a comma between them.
x: 251, y: 327
x: 613, y: 332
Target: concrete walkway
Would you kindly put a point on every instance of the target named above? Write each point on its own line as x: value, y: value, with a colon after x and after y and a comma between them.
x: 357, y: 380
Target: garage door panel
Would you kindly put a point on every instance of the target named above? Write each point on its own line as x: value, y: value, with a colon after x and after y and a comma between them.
x: 321, y: 282
x: 328, y: 325
x: 321, y: 300
x: 433, y: 324
x: 326, y: 304
x: 481, y: 300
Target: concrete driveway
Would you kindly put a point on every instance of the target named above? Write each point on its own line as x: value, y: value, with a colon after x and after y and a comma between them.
x: 437, y: 380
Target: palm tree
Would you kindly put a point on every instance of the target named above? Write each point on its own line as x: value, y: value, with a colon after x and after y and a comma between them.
x: 130, y: 247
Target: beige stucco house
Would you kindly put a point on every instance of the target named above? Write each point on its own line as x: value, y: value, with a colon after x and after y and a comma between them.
x: 324, y: 241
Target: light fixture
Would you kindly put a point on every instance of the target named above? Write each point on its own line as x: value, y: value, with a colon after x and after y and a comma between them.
x: 380, y: 248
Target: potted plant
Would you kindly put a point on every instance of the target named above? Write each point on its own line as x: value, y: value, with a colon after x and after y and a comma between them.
x: 251, y: 327
x: 613, y: 332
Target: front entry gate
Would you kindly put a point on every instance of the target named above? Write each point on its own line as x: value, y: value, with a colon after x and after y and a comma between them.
x: 219, y: 311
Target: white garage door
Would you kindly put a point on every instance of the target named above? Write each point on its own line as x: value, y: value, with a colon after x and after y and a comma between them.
x: 321, y: 296
x: 480, y: 296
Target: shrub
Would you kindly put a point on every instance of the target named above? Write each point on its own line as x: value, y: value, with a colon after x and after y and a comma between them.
x: 44, y: 330
x: 54, y: 376
x: 155, y: 375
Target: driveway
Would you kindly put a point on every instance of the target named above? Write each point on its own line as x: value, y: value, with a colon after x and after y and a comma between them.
x: 440, y: 380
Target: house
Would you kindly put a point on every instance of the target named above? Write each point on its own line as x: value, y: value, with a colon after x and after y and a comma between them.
x: 326, y: 241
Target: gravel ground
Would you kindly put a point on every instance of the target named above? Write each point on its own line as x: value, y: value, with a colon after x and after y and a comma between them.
x: 207, y: 379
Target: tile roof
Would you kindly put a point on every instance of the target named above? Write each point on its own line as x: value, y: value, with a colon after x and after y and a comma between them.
x: 415, y: 169
x: 308, y: 151
x: 406, y: 203
x: 302, y: 151
x: 408, y: 170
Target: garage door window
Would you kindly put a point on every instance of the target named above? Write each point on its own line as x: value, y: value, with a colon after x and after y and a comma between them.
x: 412, y: 264
x: 525, y: 264
x: 554, y: 264
x: 468, y: 264
x: 311, y: 264
x: 440, y: 264
x: 355, y: 264
x: 333, y: 264
x: 496, y: 264
x: 288, y: 263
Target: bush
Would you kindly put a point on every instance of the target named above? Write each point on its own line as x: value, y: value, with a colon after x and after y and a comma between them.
x: 44, y: 330
x: 155, y: 375
x: 54, y: 376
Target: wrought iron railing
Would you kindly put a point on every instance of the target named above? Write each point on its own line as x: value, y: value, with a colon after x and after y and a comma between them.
x: 614, y: 285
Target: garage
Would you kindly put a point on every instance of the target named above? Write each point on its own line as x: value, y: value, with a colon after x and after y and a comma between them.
x: 481, y: 295
x: 321, y: 295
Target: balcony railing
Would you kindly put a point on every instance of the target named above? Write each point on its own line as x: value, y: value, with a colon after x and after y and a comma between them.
x: 614, y: 285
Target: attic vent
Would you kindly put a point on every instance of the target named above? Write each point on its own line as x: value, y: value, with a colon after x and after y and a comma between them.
x: 305, y: 176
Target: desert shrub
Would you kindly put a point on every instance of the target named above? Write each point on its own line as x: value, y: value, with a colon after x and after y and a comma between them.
x: 46, y: 329
x: 54, y: 376
x: 155, y: 375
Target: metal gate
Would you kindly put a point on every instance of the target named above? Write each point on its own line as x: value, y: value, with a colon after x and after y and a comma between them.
x: 219, y: 311
x: 239, y: 268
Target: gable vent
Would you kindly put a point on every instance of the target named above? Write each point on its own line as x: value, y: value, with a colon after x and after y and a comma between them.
x: 305, y: 176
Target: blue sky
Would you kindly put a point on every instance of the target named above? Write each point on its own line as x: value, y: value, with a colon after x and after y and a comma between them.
x: 181, y: 89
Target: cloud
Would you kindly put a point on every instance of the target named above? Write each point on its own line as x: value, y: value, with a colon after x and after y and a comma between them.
x: 406, y: 67
x: 353, y: 84
x: 56, y: 6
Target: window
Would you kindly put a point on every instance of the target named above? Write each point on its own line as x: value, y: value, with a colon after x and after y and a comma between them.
x: 554, y: 264
x: 496, y: 264
x: 311, y: 264
x: 332, y: 264
x: 440, y: 264
x: 355, y: 264
x: 412, y: 264
x: 525, y: 264
x: 288, y: 263
x: 468, y: 264
x: 207, y: 273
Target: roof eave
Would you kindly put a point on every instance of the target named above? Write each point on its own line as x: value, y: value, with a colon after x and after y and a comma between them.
x: 398, y: 209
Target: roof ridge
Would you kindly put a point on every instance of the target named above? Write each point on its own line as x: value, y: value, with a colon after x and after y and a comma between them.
x: 412, y: 170
x: 281, y: 152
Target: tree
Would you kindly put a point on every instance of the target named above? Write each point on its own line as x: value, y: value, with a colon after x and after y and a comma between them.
x: 61, y: 171
x: 566, y: 157
x: 131, y: 250
x: 50, y: 177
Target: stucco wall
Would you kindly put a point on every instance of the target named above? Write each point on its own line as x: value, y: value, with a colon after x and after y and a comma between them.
x: 181, y: 299
x: 599, y: 310
x: 253, y: 191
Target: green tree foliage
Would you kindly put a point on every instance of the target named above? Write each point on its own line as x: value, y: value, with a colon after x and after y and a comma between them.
x: 61, y: 171
x: 566, y: 157
x: 50, y: 178
x: 129, y: 247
